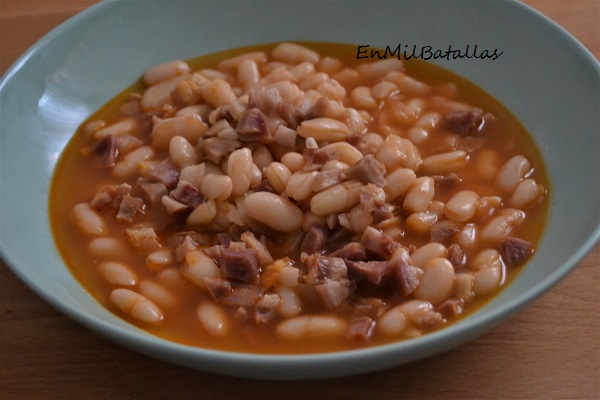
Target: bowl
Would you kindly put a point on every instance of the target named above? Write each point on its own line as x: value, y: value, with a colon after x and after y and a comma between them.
x: 543, y: 75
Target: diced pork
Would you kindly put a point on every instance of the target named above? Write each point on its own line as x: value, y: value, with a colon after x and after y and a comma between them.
x: 368, y: 170
x: 378, y: 243
x: 252, y: 127
x: 239, y: 265
x: 515, y: 251
x: 165, y: 173
x: 152, y: 191
x: 405, y: 278
x: 215, y: 148
x: 110, y: 196
x: 315, y: 239
x: 373, y: 272
x: 143, y: 239
x: 107, y: 149
x: 129, y: 208
x: 218, y: 288
x: 353, y: 251
x: 464, y: 122
x: 332, y: 294
x: 187, y: 194
x: 322, y: 268
x: 265, y: 308
x: 361, y: 328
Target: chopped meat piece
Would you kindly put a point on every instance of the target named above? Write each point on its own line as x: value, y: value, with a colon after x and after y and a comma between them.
x: 187, y: 194
x: 218, y: 288
x: 451, y: 308
x: 173, y: 206
x: 107, y: 149
x: 262, y: 253
x: 331, y: 294
x: 464, y: 122
x: 165, y: 173
x: 289, y: 115
x: 405, y: 278
x: 239, y: 265
x: 368, y: 170
x: 268, y: 100
x: 224, y: 238
x: 285, y: 136
x: 152, y: 191
x: 315, y: 239
x: 243, y: 295
x: 326, y: 179
x: 427, y: 319
x: 443, y: 182
x: 315, y: 159
x: 265, y: 308
x: 515, y: 251
x: 383, y: 212
x: 110, y: 196
x: 322, y: 268
x: 456, y: 256
x: 361, y: 328
x: 369, y: 307
x: 353, y: 251
x: 252, y: 127
x: 188, y: 244
x: 372, y: 271
x: 378, y: 243
x: 143, y: 239
x: 443, y: 231
x: 200, y: 238
x: 214, y: 252
x: 129, y: 208
x: 216, y: 148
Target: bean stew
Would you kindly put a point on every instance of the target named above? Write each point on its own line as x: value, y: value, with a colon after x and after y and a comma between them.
x: 288, y: 198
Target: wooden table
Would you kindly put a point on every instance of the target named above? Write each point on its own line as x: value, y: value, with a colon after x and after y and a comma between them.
x: 549, y: 351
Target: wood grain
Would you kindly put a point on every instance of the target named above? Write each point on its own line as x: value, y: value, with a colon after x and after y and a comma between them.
x: 551, y: 350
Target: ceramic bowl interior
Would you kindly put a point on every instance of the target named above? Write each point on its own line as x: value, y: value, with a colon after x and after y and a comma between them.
x: 544, y: 76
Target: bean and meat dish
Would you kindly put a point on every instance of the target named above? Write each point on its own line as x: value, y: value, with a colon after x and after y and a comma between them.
x: 286, y: 198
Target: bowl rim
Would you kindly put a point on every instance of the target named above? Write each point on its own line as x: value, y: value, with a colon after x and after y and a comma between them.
x: 147, y: 341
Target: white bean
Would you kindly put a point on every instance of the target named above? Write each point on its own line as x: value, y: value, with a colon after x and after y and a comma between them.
x: 501, y: 225
x: 213, y: 319
x: 393, y: 322
x: 159, y: 259
x: 290, y: 304
x: 199, y: 266
x: 106, y: 247
x: 420, y: 194
x: 135, y: 305
x: 239, y: 169
x: 428, y: 252
x: 486, y: 281
x: 129, y: 164
x: 323, y: 130
x: 88, y: 220
x: 512, y: 172
x: 274, y: 211
x: 118, y: 274
x: 165, y: 71
x: 462, y: 206
x: 437, y: 281
x: 311, y: 327
x: 526, y: 194
x: 191, y: 127
x: 182, y: 152
x: 157, y: 293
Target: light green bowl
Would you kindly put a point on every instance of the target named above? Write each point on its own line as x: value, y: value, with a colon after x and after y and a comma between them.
x: 544, y: 76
